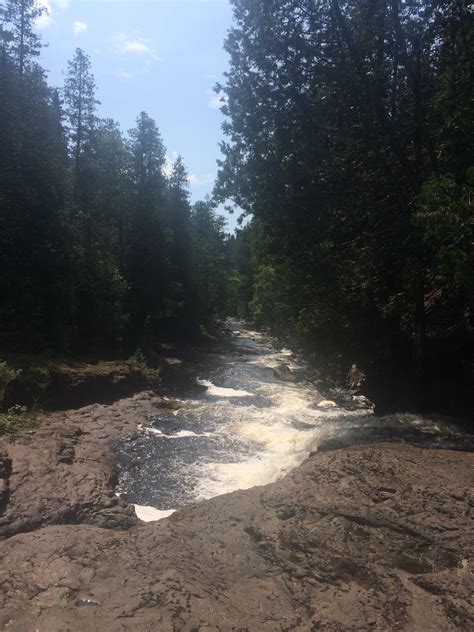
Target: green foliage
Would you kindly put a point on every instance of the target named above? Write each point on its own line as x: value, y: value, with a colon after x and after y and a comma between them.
x: 40, y: 376
x: 270, y: 298
x: 96, y: 237
x: 445, y: 219
x: 7, y: 374
x: 22, y: 41
x: 138, y: 360
x: 209, y: 264
x: 342, y: 118
x: 18, y: 418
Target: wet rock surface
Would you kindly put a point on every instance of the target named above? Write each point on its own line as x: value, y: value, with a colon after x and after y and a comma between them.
x: 364, y: 538
x: 64, y: 471
x: 286, y: 374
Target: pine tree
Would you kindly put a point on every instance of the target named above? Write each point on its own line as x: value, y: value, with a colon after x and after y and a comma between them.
x: 81, y: 105
x: 24, y: 44
x: 145, y: 253
x: 178, y: 214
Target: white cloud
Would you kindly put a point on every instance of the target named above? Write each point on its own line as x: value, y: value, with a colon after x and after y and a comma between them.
x: 208, y: 178
x: 50, y: 8
x: 46, y: 19
x: 215, y: 101
x: 201, y: 180
x: 79, y: 27
x: 168, y: 166
x: 136, y: 46
x: 123, y: 74
x: 124, y: 45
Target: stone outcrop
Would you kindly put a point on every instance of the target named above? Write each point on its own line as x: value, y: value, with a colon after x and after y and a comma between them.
x: 64, y: 471
x: 59, y: 385
x: 365, y: 538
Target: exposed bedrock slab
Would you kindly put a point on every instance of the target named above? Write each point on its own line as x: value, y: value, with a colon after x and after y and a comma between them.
x: 367, y: 538
x: 64, y: 472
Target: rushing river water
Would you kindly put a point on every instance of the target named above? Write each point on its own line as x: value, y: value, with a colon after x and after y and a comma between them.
x: 242, y: 426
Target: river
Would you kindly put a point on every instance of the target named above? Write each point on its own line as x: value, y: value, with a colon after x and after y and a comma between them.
x: 240, y: 426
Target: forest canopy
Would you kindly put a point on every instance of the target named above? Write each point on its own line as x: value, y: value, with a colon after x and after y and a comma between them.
x: 349, y: 142
x: 99, y: 243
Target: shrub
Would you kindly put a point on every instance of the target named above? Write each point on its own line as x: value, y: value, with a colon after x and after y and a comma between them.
x: 7, y: 374
x: 138, y: 360
x: 18, y: 418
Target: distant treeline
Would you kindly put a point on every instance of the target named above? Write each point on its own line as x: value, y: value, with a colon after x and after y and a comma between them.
x: 350, y: 143
x: 349, y: 146
x: 99, y: 244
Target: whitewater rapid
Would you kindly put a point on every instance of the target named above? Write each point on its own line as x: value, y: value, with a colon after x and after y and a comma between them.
x: 245, y: 428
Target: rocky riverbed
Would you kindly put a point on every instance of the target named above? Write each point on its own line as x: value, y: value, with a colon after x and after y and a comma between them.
x: 365, y: 537
x: 369, y: 537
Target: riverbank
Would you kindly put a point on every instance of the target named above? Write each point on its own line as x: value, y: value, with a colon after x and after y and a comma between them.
x: 374, y: 537
x: 64, y: 471
x: 356, y: 537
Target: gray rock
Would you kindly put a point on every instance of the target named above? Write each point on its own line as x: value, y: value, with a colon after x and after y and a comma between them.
x: 284, y: 373
x: 372, y: 537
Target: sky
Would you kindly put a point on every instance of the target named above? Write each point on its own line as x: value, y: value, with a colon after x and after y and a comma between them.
x: 161, y: 56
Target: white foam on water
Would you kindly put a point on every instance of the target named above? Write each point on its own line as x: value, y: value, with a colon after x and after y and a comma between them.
x: 263, y: 427
x: 281, y: 448
x: 178, y: 435
x: 150, y: 514
x: 279, y: 437
x: 218, y: 391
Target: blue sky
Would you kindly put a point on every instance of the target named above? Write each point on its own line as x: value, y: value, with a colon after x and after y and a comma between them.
x: 161, y: 56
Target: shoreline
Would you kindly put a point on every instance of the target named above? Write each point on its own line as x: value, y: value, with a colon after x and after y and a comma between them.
x: 367, y: 537
x: 372, y: 536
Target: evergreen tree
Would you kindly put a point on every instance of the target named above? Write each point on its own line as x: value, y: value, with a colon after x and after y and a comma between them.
x: 178, y: 220
x: 23, y: 44
x: 336, y: 125
x: 146, y: 271
x: 81, y: 105
x: 36, y: 302
x: 95, y: 240
x: 210, y: 264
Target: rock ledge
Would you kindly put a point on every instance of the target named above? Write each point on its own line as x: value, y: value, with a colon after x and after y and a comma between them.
x: 366, y: 538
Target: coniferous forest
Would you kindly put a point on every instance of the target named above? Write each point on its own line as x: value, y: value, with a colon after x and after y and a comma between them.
x: 99, y: 243
x: 347, y: 146
x: 350, y: 144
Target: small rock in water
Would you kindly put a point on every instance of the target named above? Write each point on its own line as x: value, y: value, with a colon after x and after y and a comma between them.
x: 283, y: 372
x: 327, y: 403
